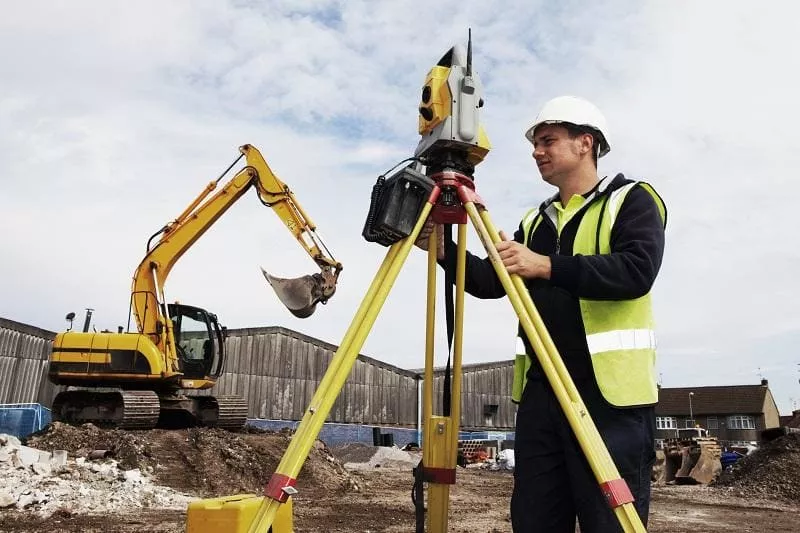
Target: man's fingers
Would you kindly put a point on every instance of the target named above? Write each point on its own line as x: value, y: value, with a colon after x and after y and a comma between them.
x: 503, y: 246
x: 508, y: 258
x: 503, y: 236
x: 511, y: 266
x: 505, y: 253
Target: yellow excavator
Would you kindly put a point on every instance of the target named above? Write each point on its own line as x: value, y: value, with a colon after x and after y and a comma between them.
x: 144, y: 378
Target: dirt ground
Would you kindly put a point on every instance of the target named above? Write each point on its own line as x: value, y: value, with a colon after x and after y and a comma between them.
x: 205, y: 463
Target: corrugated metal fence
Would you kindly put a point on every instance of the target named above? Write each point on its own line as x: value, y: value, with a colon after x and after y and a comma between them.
x: 278, y: 370
x: 24, y: 351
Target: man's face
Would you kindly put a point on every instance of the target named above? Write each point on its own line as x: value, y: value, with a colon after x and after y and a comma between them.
x: 556, y: 154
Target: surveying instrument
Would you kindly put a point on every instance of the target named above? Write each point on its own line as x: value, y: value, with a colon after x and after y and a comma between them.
x: 438, y: 184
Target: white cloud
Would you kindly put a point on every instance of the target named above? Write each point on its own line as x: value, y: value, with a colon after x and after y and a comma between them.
x: 116, y: 114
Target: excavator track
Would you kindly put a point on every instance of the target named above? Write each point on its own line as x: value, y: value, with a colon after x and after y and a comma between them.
x: 117, y: 409
x: 144, y: 409
x: 226, y: 412
x: 141, y: 410
x: 232, y: 412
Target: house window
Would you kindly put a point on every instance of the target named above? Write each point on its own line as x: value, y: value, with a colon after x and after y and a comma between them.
x: 666, y: 422
x: 689, y: 423
x: 741, y: 422
x: 741, y: 443
x: 712, y: 422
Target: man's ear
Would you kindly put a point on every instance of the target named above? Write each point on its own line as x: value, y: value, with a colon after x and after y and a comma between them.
x: 587, y: 143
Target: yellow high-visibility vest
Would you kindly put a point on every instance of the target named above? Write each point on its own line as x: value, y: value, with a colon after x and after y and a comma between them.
x: 619, y: 333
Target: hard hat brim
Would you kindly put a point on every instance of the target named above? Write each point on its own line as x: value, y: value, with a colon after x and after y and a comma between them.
x: 604, y: 146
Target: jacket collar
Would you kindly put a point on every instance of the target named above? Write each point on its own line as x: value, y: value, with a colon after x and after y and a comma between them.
x: 603, y: 187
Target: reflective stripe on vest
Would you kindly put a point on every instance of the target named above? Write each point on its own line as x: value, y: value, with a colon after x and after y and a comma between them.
x: 529, y: 224
x: 522, y: 363
x: 619, y: 333
x: 621, y: 339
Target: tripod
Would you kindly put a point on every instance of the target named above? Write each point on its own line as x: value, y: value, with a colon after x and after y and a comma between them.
x: 452, y: 200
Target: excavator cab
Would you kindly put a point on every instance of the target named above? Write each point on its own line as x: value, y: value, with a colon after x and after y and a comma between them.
x: 199, y: 341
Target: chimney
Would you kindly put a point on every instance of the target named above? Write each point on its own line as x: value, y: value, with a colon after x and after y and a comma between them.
x: 764, y: 382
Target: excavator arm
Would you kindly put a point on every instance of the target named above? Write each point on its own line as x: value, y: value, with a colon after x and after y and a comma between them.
x: 300, y: 295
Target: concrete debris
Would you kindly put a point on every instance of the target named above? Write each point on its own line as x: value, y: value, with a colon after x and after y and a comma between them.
x: 44, y: 483
x: 10, y: 440
x: 357, y: 456
x: 505, y: 461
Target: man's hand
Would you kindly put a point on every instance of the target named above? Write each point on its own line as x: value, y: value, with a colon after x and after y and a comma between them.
x: 425, y: 233
x: 519, y: 259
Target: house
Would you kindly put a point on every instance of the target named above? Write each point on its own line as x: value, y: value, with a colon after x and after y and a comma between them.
x: 735, y: 414
x: 792, y: 420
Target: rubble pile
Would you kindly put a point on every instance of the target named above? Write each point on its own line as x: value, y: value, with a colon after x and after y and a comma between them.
x: 772, y: 471
x: 45, y: 483
x: 359, y: 456
x: 131, y: 449
x: 202, y: 462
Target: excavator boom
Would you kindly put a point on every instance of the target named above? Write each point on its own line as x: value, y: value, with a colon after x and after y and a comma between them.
x: 300, y: 295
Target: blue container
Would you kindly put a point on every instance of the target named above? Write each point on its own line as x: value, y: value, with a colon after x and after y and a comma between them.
x: 22, y: 419
x: 729, y: 458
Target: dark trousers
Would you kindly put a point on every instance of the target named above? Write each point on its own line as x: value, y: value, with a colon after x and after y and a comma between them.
x: 553, y: 482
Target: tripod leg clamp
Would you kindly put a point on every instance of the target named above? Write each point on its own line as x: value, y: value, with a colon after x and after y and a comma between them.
x: 280, y: 487
x: 442, y: 476
x: 616, y: 492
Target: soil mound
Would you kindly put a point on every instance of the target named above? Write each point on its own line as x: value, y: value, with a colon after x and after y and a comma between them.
x: 772, y: 471
x: 203, y: 462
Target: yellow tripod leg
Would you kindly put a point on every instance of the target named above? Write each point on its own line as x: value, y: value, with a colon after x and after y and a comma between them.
x: 281, y: 485
x: 440, y: 444
x: 592, y: 445
x: 430, y: 427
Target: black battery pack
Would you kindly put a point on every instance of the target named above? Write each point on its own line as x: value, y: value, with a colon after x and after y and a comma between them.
x: 396, y: 205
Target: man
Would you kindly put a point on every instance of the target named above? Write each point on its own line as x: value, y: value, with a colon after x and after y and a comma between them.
x: 589, y: 256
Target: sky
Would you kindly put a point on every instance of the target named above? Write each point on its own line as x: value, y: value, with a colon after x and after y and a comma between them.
x: 115, y: 115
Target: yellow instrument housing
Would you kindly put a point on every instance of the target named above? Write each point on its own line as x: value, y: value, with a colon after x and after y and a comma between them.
x: 449, y: 112
x: 436, y: 97
x: 233, y: 514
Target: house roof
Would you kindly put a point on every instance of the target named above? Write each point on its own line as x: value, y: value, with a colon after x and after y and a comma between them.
x: 722, y: 400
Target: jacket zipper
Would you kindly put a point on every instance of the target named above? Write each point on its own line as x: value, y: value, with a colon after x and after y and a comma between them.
x: 549, y: 222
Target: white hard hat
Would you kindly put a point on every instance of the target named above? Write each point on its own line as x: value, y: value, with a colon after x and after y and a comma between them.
x: 573, y: 110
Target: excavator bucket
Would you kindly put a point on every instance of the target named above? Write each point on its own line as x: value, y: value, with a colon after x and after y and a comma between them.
x: 708, y: 464
x: 695, y: 462
x: 301, y: 295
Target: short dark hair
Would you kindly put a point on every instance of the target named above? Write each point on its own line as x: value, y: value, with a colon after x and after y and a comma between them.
x: 575, y: 131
